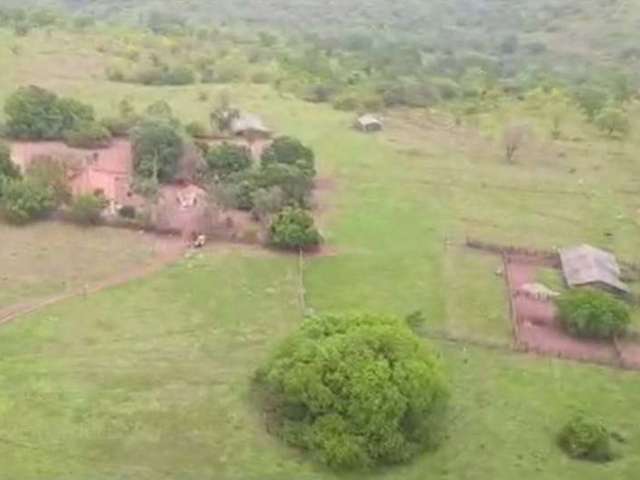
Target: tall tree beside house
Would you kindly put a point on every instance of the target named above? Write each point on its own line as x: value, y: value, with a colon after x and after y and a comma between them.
x: 157, y: 149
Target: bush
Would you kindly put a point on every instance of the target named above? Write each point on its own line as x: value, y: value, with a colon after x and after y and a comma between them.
x: 584, y: 439
x: 178, y: 76
x: 613, y: 121
x: 293, y: 228
x: 196, y: 130
x: 127, y: 211
x: 119, y: 126
x: 87, y: 209
x: 260, y: 77
x: 7, y: 168
x: 593, y: 314
x: 355, y: 390
x: 227, y: 159
x: 295, y: 183
x: 157, y: 149
x: 591, y: 100
x: 346, y: 103
x: 290, y: 151
x: 237, y: 191
x: 52, y: 173
x: 88, y: 135
x: 26, y: 200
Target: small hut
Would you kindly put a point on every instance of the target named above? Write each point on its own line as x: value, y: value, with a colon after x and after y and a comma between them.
x: 585, y: 265
x: 368, y: 123
x: 249, y: 126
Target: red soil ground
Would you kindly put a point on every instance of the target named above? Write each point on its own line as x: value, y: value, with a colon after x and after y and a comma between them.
x: 538, y: 330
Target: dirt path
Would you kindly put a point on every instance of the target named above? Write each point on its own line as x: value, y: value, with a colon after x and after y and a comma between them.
x: 169, y: 250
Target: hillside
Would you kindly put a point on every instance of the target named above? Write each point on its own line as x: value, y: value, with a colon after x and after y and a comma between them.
x: 563, y: 35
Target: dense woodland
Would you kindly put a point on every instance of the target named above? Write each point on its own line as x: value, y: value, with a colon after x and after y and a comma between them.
x: 561, y: 36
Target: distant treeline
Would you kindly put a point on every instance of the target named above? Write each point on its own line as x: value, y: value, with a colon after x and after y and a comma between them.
x: 370, y: 54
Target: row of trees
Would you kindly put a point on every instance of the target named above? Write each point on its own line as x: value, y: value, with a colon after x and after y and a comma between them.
x: 34, y: 113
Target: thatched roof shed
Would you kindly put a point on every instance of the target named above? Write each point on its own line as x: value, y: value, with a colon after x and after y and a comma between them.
x: 249, y: 125
x: 586, y: 265
x: 368, y: 123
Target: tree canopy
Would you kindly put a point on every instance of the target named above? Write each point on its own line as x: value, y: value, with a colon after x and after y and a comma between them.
x: 293, y: 228
x: 34, y: 113
x: 157, y: 149
x: 355, y: 390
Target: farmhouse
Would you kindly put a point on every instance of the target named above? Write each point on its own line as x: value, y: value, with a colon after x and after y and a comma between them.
x: 249, y: 126
x: 368, y: 123
x: 585, y: 265
x: 105, y: 171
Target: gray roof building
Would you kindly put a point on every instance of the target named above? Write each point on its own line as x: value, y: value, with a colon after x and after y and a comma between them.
x: 586, y: 265
x: 247, y: 124
x: 369, y: 123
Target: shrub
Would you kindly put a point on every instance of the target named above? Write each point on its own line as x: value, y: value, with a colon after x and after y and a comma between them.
x: 293, y: 228
x: 236, y: 192
x: 178, y: 76
x: 613, y: 121
x: 119, y: 126
x: 260, y: 77
x: 157, y: 148
x: 227, y: 159
x: 196, y: 129
x: 346, y: 103
x: 26, y: 200
x: 7, y: 168
x: 593, y: 314
x: 585, y: 439
x: 127, y: 211
x: 355, y: 390
x: 87, y: 209
x: 267, y: 201
x: 52, y: 173
x: 88, y: 135
x: 290, y: 151
x: 295, y: 183
x: 591, y: 100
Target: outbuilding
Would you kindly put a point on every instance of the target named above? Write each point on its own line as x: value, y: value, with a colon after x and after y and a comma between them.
x: 585, y: 265
x: 369, y: 123
x: 249, y: 126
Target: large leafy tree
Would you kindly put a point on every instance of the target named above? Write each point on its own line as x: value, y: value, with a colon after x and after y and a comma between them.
x: 293, y: 228
x: 37, y: 114
x: 290, y: 151
x: 227, y: 159
x: 355, y: 390
x: 157, y: 149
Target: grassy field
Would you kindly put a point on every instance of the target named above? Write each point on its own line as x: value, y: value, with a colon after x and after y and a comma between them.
x: 152, y: 379
x: 52, y: 258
